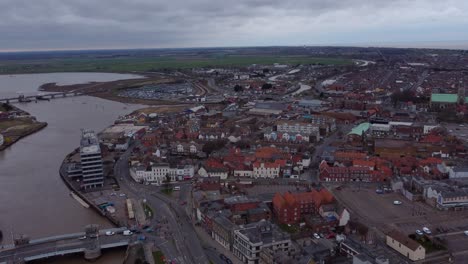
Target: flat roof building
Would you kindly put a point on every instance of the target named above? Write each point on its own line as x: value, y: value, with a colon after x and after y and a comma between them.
x: 91, y: 160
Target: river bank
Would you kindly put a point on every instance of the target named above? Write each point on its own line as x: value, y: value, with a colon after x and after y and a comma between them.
x: 16, y: 124
x: 109, y: 90
x: 40, y: 204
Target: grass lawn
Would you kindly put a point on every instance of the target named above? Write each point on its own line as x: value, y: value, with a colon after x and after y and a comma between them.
x: 148, y: 64
x: 427, y: 244
x: 12, y: 123
x: 167, y: 191
x: 158, y: 257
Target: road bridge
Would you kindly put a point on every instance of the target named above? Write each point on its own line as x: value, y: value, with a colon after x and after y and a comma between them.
x: 45, y: 96
x: 90, y: 242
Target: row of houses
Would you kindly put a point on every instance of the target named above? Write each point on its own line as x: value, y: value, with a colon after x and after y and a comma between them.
x: 160, y: 173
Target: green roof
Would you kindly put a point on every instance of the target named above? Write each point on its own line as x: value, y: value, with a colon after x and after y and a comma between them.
x: 445, y: 98
x: 360, y: 129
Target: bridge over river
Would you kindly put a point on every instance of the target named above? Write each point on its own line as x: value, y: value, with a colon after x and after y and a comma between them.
x: 89, y: 242
x: 42, y: 96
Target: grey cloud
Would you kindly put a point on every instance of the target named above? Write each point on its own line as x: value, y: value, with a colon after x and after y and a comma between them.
x: 51, y: 24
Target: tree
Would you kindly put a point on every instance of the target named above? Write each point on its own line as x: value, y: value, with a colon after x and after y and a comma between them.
x: 211, y: 146
x: 166, y: 182
x: 238, y: 88
x: 267, y: 86
x: 406, y: 96
x: 243, y: 144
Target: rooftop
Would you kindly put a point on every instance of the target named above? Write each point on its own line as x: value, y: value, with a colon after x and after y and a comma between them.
x: 360, y: 129
x: 445, y: 98
x: 89, y: 143
x: 263, y: 232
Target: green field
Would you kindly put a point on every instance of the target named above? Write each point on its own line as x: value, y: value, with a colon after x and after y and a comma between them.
x: 155, y: 63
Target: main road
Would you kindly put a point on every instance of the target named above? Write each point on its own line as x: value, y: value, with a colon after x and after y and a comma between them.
x: 181, y: 242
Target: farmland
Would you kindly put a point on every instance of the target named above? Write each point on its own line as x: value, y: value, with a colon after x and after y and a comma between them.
x: 144, y: 64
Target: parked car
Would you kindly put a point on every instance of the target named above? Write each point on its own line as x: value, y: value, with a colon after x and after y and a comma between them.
x: 316, y: 236
x: 466, y: 233
x: 84, y: 237
x: 141, y: 237
x: 127, y: 233
x: 223, y: 257
x: 110, y: 233
x: 228, y: 261
x: 426, y: 230
x: 331, y: 235
x: 176, y: 188
x: 419, y: 232
x: 396, y: 202
x: 379, y: 191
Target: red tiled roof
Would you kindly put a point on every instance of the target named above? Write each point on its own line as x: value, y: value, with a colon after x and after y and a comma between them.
x: 214, y: 163
x: 266, y: 152
x: 430, y: 161
x: 258, y: 164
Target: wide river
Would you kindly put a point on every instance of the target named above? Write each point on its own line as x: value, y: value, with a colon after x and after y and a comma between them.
x: 34, y: 200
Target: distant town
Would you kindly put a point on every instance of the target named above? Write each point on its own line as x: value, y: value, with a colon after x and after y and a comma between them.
x: 364, y: 161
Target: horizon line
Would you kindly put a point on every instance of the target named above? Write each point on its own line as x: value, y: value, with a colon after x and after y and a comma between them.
x: 396, y: 45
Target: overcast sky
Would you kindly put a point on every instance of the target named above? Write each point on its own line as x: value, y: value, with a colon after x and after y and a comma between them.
x: 89, y: 24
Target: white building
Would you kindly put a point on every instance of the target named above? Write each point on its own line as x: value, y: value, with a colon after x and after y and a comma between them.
x: 297, y: 127
x: 458, y: 172
x: 91, y: 160
x: 266, y: 170
x: 243, y: 172
x: 252, y: 238
x: 157, y: 173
